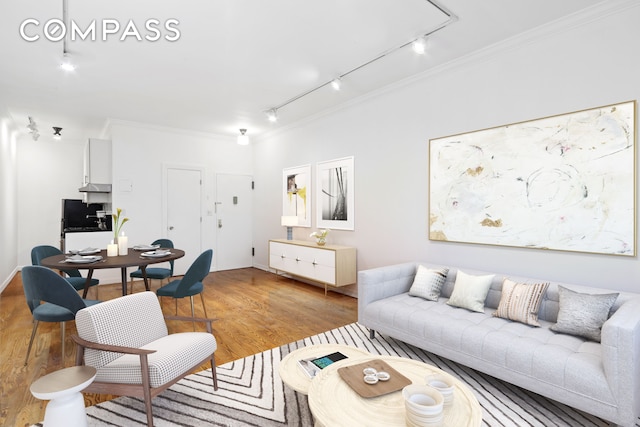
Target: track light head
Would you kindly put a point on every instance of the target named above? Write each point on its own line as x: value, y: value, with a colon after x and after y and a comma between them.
x: 419, y: 45
x: 242, y: 138
x: 272, y: 115
x: 336, y: 83
x: 56, y: 133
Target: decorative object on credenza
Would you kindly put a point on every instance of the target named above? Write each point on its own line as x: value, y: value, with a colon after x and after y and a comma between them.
x: 335, y: 196
x: 320, y: 236
x: 565, y: 182
x: 289, y: 221
x: 296, y: 193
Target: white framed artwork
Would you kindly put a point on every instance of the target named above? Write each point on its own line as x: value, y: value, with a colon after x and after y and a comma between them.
x: 296, y: 197
x: 565, y: 182
x: 335, y: 208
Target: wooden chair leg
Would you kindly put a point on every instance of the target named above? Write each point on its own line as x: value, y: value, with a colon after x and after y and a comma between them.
x: 33, y: 334
x: 204, y: 307
x: 193, y: 313
x: 62, y: 336
x: 146, y: 385
x: 214, y: 373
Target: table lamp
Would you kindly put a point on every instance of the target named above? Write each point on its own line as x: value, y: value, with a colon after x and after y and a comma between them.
x: 289, y: 221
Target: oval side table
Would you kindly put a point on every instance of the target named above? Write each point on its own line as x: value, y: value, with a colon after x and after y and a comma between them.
x: 62, y: 388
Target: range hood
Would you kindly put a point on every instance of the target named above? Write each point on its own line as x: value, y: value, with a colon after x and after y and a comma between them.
x: 95, y: 188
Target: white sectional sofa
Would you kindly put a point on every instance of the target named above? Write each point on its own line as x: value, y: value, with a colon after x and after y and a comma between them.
x: 600, y: 378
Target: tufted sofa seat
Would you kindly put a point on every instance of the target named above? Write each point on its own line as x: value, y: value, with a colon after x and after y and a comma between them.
x: 602, y: 379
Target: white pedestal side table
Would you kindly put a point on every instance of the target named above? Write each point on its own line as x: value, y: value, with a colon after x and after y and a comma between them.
x: 62, y: 388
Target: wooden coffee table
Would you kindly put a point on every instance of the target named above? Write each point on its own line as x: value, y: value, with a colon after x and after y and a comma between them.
x: 293, y: 376
x: 333, y: 402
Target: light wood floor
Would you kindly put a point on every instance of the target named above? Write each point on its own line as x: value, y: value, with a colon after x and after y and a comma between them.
x: 256, y: 311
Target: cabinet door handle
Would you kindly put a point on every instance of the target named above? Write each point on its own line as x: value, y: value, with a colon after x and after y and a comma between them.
x: 282, y: 256
x: 297, y: 259
x: 314, y: 262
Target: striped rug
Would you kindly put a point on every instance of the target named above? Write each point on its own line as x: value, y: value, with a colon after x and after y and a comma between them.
x: 251, y: 393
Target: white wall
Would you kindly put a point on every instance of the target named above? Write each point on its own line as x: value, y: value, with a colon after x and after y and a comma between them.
x: 582, y: 64
x: 139, y: 155
x: 8, y: 200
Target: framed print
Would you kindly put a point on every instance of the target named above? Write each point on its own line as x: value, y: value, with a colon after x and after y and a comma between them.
x: 296, y: 185
x: 334, y: 197
x: 565, y: 182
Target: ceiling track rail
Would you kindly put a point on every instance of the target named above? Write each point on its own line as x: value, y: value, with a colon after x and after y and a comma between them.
x: 451, y: 18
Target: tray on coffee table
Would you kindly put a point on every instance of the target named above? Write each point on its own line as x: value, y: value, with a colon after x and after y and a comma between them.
x: 354, y: 377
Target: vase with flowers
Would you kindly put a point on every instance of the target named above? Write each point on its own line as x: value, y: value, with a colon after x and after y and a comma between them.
x: 321, y: 236
x: 118, y: 235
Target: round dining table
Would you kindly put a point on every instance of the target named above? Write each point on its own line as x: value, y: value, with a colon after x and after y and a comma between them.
x: 133, y: 258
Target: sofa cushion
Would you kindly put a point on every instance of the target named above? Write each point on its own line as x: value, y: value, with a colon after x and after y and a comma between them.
x: 470, y: 291
x: 583, y: 314
x: 428, y: 282
x: 521, y: 301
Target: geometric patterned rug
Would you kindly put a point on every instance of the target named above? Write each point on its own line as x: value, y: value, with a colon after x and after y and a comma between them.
x: 250, y: 393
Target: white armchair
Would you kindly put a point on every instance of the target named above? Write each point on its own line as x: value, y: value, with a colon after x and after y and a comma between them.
x: 127, y: 341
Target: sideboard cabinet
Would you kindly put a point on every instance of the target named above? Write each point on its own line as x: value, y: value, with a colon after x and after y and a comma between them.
x: 331, y: 265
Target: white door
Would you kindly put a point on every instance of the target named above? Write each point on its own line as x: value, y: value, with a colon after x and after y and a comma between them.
x: 184, y: 214
x: 233, y: 222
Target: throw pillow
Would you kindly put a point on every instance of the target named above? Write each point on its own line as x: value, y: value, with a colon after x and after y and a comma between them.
x: 521, y: 301
x: 583, y: 314
x: 470, y: 291
x: 428, y: 283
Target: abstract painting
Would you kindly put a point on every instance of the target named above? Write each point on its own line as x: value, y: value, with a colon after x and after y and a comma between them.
x: 335, y: 201
x: 296, y: 193
x: 565, y: 182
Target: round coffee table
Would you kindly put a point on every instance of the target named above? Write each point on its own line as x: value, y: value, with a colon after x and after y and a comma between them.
x: 333, y: 402
x: 292, y: 374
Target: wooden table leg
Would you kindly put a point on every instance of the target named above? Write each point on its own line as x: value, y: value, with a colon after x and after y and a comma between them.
x: 124, y: 280
x: 144, y: 277
x: 87, y: 283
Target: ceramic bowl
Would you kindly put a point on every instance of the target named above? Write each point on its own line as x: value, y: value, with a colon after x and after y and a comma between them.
x: 369, y: 371
x: 371, y: 379
x: 423, y: 401
x: 443, y: 384
x: 383, y: 376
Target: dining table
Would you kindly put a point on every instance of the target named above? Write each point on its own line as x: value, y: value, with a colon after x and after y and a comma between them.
x: 133, y: 258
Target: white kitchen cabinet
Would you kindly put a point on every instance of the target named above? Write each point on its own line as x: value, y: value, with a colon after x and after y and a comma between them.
x: 331, y: 265
x: 97, y: 168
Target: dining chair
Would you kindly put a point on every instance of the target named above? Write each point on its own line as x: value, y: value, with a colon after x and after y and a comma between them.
x: 158, y: 273
x: 51, y: 298
x: 191, y: 283
x: 73, y: 275
x: 134, y: 355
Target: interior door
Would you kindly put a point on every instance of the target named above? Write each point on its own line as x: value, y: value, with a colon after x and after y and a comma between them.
x: 234, y: 235
x: 184, y: 213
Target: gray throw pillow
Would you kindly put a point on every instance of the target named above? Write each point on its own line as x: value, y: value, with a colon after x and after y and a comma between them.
x: 428, y: 283
x: 583, y: 314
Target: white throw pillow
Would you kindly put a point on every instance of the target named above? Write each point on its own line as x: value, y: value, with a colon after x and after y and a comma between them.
x: 428, y: 283
x: 470, y: 291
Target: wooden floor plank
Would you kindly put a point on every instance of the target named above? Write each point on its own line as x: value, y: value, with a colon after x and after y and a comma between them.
x: 256, y: 311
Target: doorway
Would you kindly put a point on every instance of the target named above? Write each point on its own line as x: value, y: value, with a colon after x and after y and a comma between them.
x: 234, y: 231
x: 184, y: 213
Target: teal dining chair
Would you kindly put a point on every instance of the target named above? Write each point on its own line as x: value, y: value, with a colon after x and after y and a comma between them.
x: 157, y: 273
x: 191, y: 283
x: 51, y: 298
x: 73, y: 275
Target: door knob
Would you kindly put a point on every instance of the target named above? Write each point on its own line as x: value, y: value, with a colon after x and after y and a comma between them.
x: 219, y: 223
x: 171, y: 227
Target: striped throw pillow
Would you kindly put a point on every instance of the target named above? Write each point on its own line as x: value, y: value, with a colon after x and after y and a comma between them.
x: 521, y: 301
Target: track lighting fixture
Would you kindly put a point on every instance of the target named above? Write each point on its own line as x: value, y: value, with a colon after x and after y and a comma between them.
x: 33, y: 129
x: 66, y: 64
x: 56, y: 133
x: 272, y: 115
x: 419, y: 45
x: 242, y: 138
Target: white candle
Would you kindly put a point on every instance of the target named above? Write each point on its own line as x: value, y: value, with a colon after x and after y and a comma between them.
x: 112, y: 249
x: 123, y: 241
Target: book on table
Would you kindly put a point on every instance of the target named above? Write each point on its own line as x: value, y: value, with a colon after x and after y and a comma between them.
x: 312, y: 365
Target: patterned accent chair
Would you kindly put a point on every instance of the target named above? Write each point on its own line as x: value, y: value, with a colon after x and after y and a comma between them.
x: 127, y: 341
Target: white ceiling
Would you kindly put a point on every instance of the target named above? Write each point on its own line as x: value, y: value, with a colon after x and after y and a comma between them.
x: 236, y: 58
